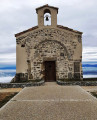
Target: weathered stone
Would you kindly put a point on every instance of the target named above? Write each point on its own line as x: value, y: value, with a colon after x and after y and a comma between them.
x: 49, y: 43
x: 21, y: 85
x: 20, y: 77
x: 76, y: 75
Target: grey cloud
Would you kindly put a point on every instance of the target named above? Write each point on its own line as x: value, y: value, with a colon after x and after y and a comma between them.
x: 90, y: 53
x: 7, y: 50
x: 19, y: 15
x: 89, y: 40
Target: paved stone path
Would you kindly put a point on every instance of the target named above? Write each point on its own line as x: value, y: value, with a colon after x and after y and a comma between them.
x: 51, y: 102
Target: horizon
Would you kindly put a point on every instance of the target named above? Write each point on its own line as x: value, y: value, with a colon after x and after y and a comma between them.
x: 84, y: 63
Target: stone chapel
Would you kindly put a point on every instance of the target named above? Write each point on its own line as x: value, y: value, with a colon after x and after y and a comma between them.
x: 48, y: 52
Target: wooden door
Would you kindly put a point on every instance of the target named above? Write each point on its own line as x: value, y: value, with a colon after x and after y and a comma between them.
x: 50, y: 71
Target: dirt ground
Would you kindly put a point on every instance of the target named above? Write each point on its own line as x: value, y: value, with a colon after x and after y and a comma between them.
x: 90, y: 88
x: 10, y: 90
x: 7, y: 94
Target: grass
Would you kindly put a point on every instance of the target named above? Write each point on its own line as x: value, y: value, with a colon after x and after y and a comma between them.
x: 94, y: 94
x: 6, y: 99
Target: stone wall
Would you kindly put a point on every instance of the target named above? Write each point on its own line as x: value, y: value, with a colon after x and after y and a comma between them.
x: 46, y: 44
x: 81, y: 83
x: 20, y: 85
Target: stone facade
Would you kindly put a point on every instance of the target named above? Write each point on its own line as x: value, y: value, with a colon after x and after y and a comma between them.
x: 48, y: 43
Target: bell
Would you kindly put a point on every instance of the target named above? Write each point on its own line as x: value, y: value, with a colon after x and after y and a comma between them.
x: 47, y: 19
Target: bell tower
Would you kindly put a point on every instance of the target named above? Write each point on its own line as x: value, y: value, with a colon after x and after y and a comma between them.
x: 47, y: 13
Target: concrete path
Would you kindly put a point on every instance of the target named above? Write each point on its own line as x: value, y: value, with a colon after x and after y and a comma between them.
x: 51, y: 102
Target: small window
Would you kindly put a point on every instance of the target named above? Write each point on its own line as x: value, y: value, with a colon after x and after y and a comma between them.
x: 76, y: 66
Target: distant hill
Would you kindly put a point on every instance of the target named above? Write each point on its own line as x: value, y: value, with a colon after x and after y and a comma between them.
x: 14, y: 67
x: 9, y: 68
x: 89, y: 65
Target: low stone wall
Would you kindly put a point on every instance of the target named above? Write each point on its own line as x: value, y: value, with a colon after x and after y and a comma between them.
x: 20, y: 85
x: 81, y: 83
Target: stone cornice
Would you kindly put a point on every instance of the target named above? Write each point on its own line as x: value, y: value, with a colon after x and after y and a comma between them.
x: 47, y: 6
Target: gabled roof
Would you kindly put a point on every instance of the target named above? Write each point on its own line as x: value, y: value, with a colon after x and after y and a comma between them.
x: 59, y: 26
x: 66, y: 28
x: 25, y: 31
x: 46, y: 6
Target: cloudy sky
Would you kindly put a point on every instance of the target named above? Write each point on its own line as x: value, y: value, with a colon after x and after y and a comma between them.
x: 19, y: 15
